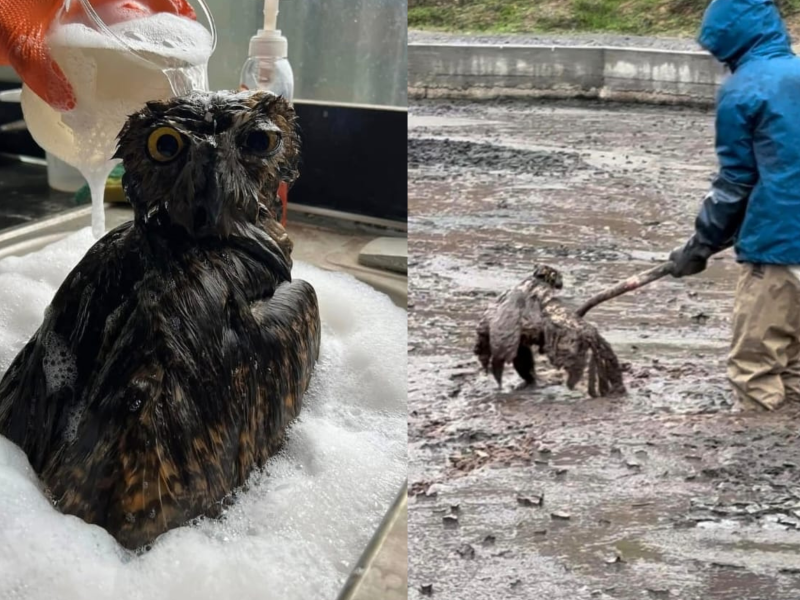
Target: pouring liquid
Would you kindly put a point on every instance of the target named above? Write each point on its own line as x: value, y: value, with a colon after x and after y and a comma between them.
x: 111, y: 83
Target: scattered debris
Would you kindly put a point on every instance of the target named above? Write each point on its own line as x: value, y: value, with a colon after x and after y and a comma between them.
x: 535, y: 500
x: 424, y: 489
x: 466, y: 551
x: 450, y: 522
x: 721, y: 565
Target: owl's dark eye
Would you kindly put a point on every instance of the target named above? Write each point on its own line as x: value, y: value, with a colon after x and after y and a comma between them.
x: 263, y: 143
x: 164, y: 144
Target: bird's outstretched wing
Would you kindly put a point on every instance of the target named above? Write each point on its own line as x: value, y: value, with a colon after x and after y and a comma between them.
x: 572, y: 344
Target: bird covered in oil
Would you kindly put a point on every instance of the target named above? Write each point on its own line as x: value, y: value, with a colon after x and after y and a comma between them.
x: 177, y: 352
x: 529, y: 316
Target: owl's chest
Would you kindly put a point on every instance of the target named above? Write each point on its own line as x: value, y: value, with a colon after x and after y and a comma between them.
x: 190, y: 310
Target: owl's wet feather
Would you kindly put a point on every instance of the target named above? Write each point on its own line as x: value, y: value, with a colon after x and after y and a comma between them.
x: 192, y: 346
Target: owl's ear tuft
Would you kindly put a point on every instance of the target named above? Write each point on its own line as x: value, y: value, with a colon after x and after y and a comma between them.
x: 155, y: 106
x: 275, y: 108
x: 280, y: 112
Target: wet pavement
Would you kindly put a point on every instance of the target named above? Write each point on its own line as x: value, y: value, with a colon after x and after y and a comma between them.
x: 543, y: 492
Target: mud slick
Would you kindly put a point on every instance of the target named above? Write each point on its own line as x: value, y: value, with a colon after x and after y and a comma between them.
x: 489, y: 157
x: 545, y: 493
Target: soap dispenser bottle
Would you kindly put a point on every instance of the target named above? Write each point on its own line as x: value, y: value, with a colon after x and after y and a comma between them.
x: 267, y: 68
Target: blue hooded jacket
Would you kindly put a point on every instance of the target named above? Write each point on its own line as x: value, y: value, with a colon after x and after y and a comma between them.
x: 754, y: 202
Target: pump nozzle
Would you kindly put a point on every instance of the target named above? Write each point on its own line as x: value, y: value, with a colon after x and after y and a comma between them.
x: 270, y: 15
x: 268, y: 42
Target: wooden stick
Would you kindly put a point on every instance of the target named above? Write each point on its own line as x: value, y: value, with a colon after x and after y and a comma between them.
x: 630, y: 284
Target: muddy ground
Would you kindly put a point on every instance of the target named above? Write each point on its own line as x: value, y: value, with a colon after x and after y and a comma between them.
x: 545, y: 493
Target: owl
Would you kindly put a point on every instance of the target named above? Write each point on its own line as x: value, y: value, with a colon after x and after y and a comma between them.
x: 530, y: 315
x: 176, y: 353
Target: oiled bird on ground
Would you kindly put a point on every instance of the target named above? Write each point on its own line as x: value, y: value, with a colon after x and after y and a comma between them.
x: 530, y: 315
x: 176, y: 353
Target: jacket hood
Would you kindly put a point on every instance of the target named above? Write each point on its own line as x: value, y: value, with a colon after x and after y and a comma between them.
x: 735, y: 31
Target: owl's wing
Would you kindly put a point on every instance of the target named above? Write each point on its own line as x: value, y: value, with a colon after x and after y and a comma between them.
x: 510, y: 322
x: 30, y: 413
x: 128, y: 467
x: 290, y: 332
x: 572, y: 344
x: 506, y: 324
x: 45, y: 381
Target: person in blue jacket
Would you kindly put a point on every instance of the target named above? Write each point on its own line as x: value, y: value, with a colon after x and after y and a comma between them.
x: 754, y: 201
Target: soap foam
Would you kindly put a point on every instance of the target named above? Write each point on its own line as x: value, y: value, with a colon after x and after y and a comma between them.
x: 295, y: 534
x: 110, y: 83
x: 60, y: 365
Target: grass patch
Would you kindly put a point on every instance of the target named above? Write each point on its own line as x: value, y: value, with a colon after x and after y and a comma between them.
x: 635, y: 17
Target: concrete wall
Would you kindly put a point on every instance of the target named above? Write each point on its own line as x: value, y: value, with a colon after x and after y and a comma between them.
x: 465, y: 71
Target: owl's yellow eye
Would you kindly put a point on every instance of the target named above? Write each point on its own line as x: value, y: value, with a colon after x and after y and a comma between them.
x: 164, y: 144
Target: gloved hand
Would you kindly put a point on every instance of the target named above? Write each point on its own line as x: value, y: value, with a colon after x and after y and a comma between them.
x: 690, y: 259
x: 24, y: 24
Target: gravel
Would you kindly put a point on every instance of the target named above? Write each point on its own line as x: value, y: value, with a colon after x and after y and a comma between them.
x: 584, y: 39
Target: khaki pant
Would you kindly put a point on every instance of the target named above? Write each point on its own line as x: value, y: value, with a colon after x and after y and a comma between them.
x: 764, y: 362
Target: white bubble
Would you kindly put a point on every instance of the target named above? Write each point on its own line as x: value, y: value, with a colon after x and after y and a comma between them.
x: 60, y: 366
x: 73, y: 422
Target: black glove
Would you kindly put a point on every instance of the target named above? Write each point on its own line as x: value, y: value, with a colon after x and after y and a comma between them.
x: 690, y: 259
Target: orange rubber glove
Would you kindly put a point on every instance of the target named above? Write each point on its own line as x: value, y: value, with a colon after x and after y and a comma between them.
x: 24, y: 24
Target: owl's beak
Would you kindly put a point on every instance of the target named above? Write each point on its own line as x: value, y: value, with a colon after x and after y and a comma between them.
x: 207, y: 210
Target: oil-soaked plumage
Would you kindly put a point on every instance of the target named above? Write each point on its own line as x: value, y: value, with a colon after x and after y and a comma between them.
x: 174, y: 356
x: 531, y: 315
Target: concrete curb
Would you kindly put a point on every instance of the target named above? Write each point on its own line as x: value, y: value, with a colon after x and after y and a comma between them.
x: 630, y: 74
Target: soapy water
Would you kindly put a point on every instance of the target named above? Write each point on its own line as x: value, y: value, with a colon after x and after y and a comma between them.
x: 168, y: 56
x: 299, y: 529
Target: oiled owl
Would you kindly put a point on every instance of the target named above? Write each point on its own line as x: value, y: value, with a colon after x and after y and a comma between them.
x: 530, y: 315
x: 183, y: 346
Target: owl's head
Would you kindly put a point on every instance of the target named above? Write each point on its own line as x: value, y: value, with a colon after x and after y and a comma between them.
x: 206, y: 161
x: 548, y: 275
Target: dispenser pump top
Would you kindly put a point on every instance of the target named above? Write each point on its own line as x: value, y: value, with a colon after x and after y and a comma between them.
x: 270, y: 15
x: 269, y: 42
